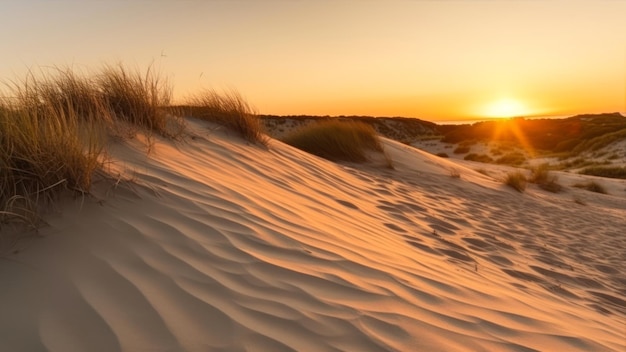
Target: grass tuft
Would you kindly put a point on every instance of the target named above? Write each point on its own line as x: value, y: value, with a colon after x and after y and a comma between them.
x: 336, y: 140
x: 137, y: 98
x: 592, y: 186
x: 541, y: 176
x: 47, y: 144
x: 230, y: 110
x: 516, y: 180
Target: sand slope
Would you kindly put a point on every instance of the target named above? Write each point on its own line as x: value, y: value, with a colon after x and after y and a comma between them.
x: 222, y: 246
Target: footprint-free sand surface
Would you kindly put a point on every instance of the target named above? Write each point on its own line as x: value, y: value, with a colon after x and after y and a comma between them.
x: 217, y: 245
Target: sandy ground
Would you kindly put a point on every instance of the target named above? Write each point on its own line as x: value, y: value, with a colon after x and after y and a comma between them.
x: 217, y: 245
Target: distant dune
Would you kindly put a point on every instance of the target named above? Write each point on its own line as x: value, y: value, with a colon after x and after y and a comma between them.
x: 218, y: 244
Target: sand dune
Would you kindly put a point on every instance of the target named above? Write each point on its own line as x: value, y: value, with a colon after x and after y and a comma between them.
x: 217, y: 245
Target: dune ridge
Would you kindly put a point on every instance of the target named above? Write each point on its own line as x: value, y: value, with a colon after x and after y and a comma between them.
x: 218, y: 245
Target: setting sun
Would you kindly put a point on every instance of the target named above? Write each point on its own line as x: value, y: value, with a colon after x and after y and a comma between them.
x: 505, y: 108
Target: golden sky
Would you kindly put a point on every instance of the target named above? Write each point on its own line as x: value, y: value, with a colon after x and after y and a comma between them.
x: 436, y: 60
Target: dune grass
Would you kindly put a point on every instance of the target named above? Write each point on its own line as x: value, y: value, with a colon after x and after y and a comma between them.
x: 516, y: 180
x: 541, y: 176
x: 139, y: 98
x: 53, y: 128
x: 591, y: 186
x: 231, y: 110
x: 605, y: 171
x: 336, y: 140
x: 45, y: 147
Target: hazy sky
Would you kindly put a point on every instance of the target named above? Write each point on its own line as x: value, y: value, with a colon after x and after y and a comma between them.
x: 428, y: 59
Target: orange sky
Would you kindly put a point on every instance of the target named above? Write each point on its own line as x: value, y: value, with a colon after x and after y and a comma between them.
x: 436, y: 60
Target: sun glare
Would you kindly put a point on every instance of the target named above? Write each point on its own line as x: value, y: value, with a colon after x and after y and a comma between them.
x: 505, y: 108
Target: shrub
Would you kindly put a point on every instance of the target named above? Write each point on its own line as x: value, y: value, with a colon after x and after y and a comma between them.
x: 611, y: 172
x: 541, y: 176
x: 514, y: 159
x: 462, y: 149
x: 483, y: 158
x: 336, y: 140
x: 229, y: 110
x: 516, y: 180
x: 591, y: 186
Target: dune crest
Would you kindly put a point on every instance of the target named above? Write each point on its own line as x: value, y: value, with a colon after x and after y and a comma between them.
x: 219, y: 245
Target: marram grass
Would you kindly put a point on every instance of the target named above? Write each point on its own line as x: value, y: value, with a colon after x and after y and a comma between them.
x: 336, y: 140
x: 55, y: 122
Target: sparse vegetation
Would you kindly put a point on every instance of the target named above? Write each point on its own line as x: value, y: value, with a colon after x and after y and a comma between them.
x: 591, y: 186
x: 516, y: 180
x: 54, y: 124
x: 483, y: 158
x: 443, y: 155
x: 541, y: 176
x: 462, y: 149
x: 336, y: 140
x: 230, y: 110
x: 48, y: 143
x: 610, y: 172
x: 455, y: 173
x: 514, y: 159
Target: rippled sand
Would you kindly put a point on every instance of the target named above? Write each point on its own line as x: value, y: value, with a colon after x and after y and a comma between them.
x: 217, y: 245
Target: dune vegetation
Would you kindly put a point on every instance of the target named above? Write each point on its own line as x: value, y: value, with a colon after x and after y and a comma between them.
x: 336, y: 140
x: 230, y: 110
x: 55, y: 123
x: 516, y: 180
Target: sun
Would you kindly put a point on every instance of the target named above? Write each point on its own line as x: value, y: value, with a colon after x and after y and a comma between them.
x: 505, y: 108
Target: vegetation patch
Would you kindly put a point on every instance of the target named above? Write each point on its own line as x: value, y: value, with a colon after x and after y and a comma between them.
x: 514, y: 158
x: 443, y: 155
x: 229, y: 110
x: 591, y: 186
x: 336, y: 140
x: 462, y: 149
x: 483, y: 158
x: 541, y: 176
x: 610, y: 172
x: 516, y: 180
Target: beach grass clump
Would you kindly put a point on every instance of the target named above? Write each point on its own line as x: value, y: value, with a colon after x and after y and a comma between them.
x: 591, y: 186
x: 516, y: 180
x: 231, y: 110
x: 336, y: 140
x: 482, y: 158
x: 462, y: 149
x: 605, y: 171
x: 46, y: 146
x: 541, y: 176
x: 513, y: 158
x: 137, y: 98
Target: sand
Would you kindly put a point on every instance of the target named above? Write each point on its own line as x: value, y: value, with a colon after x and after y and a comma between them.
x: 217, y: 245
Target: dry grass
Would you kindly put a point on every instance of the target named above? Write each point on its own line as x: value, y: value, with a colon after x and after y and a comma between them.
x: 591, y: 186
x: 336, y: 140
x: 53, y: 127
x: 516, y: 180
x: 138, y: 98
x: 541, y: 176
x: 47, y: 144
x: 230, y: 110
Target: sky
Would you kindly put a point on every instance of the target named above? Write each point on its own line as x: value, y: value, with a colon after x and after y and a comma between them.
x: 434, y: 60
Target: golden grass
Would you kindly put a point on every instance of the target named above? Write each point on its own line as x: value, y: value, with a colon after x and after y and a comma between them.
x: 516, y: 180
x: 336, y: 140
x: 229, y: 109
x: 44, y: 148
x: 541, y: 176
x: 53, y: 126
